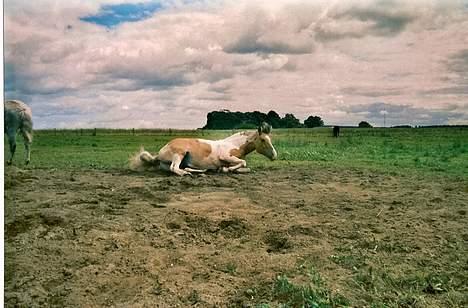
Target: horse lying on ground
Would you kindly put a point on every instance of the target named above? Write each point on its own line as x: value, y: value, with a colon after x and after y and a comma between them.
x: 186, y: 155
x: 18, y: 116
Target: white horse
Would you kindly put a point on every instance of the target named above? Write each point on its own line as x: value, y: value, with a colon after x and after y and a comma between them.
x: 18, y: 116
x: 185, y: 155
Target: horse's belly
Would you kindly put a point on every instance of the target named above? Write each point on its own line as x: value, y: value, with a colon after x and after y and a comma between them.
x: 204, y: 163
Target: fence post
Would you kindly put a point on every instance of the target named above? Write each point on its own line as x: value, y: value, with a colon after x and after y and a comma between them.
x: 94, y: 132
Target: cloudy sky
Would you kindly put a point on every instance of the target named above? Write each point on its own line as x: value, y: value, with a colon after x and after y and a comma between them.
x: 145, y: 64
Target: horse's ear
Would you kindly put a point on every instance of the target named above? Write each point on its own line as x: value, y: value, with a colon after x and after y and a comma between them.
x: 264, y: 128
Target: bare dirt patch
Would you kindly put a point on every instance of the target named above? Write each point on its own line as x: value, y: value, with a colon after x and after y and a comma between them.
x: 95, y: 238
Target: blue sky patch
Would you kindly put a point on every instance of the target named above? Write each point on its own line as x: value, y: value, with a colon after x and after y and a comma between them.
x: 112, y: 15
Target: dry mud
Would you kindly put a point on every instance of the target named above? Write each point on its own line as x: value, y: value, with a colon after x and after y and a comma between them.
x: 123, y: 239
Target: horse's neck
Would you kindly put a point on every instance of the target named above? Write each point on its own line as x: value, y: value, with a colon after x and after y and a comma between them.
x: 243, y: 143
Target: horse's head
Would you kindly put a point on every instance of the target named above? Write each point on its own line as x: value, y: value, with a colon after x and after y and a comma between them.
x: 263, y: 143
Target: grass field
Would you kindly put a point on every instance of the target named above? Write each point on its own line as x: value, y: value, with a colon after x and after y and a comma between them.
x: 374, y: 218
x: 439, y: 150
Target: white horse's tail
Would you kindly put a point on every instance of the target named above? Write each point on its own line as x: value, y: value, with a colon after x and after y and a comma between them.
x: 143, y: 161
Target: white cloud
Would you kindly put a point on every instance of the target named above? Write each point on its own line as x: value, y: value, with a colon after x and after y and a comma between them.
x: 186, y: 60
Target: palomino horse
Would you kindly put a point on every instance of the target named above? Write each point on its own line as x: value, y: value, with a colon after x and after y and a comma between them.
x: 185, y: 155
x: 18, y: 116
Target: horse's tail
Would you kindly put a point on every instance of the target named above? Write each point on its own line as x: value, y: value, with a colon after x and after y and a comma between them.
x: 143, y: 161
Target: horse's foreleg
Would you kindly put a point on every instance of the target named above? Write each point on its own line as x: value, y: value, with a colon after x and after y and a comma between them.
x: 235, y: 163
x: 175, y: 165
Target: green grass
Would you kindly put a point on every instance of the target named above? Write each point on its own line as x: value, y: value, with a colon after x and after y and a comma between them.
x: 433, y: 150
x: 379, y: 287
x: 314, y: 293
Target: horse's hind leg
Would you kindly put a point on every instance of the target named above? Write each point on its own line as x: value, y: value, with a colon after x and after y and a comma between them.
x: 148, y: 158
x: 167, y: 167
x: 195, y: 170
x: 176, y: 160
x: 186, y: 164
x: 11, y: 134
x: 27, y: 136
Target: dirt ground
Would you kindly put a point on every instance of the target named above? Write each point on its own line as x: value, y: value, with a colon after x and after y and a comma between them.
x: 124, y: 239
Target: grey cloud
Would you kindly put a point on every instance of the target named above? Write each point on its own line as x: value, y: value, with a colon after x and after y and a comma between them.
x: 458, y: 64
x: 129, y: 78
x: 252, y: 43
x: 379, y: 18
x: 456, y: 90
x: 386, y: 20
x: 405, y: 114
x: 259, y: 33
x: 222, y: 89
x: 22, y: 81
x: 215, y: 98
x: 372, y: 93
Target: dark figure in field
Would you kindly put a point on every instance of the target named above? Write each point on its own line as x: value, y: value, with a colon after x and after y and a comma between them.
x: 336, y: 131
x: 18, y: 116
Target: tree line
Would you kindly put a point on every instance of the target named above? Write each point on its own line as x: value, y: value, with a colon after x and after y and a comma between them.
x: 225, y: 119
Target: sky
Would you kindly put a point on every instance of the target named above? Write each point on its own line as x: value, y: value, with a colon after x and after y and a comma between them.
x: 166, y: 64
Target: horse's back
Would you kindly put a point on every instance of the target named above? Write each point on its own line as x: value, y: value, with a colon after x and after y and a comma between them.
x: 18, y: 108
x: 16, y: 105
x: 17, y: 114
x: 196, y: 147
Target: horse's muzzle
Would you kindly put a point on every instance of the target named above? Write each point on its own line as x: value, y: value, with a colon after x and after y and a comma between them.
x: 274, y: 156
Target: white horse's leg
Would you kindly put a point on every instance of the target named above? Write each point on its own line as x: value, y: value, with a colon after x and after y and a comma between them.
x: 147, y: 157
x: 176, y: 160
x: 236, y: 162
x: 11, y: 134
x: 195, y: 170
x: 27, y: 136
x: 242, y: 170
x: 167, y: 167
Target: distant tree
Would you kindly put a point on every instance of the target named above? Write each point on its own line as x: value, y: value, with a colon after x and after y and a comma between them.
x: 274, y: 119
x: 364, y: 124
x: 225, y: 119
x: 290, y: 121
x: 402, y: 126
x: 313, y: 121
x: 257, y: 117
